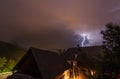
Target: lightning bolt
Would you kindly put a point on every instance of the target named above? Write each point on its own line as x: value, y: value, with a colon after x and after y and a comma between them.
x: 83, y: 41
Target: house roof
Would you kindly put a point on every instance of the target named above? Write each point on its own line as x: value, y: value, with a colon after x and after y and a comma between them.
x: 49, y: 64
x: 90, y: 51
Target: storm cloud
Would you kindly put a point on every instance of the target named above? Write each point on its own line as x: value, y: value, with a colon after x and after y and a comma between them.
x: 55, y: 23
x: 49, y: 38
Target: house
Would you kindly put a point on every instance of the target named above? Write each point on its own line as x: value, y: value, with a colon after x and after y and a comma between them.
x: 91, y: 51
x: 87, y: 57
x: 40, y: 64
x: 44, y: 64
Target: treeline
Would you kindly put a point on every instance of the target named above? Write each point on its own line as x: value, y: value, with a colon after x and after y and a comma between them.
x: 11, y: 50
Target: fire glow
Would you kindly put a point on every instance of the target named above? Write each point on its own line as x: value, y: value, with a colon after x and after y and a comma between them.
x: 73, y: 75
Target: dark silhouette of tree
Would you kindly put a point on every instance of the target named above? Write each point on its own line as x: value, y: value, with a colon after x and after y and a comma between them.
x: 111, y: 45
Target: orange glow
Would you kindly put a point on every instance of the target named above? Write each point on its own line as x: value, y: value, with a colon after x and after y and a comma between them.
x: 73, y: 75
x: 92, y: 72
x: 66, y: 74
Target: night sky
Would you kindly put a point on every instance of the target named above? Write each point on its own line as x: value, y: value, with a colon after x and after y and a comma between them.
x: 53, y: 24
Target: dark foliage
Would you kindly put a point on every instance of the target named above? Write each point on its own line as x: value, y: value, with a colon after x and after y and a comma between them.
x: 11, y: 51
x: 111, y: 45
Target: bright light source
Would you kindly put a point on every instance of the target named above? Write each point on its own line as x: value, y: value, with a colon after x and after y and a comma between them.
x: 84, y: 34
x: 84, y: 38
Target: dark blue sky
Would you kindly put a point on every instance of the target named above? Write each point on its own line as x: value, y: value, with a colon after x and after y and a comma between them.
x: 55, y: 24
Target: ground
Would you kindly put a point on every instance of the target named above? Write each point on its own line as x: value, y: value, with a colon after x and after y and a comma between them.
x: 4, y: 75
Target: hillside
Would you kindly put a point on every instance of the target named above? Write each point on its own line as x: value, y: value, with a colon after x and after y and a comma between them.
x: 9, y: 50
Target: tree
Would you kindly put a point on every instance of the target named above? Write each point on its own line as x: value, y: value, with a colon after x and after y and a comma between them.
x: 6, y: 65
x: 9, y: 65
x: 111, y: 46
x: 3, y: 61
